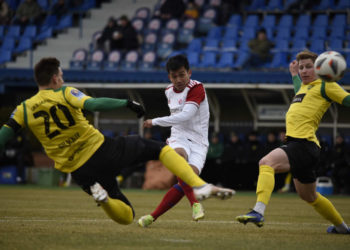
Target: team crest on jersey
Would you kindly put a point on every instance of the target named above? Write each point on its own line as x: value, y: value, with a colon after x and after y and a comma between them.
x: 77, y: 93
x: 298, y: 98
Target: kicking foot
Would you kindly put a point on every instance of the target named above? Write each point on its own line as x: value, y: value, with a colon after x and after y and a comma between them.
x: 197, y: 211
x: 253, y: 217
x: 209, y: 190
x: 333, y: 230
x: 98, y: 193
x: 146, y: 220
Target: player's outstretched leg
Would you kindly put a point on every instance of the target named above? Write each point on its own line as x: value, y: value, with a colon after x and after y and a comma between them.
x: 116, y: 209
x: 145, y: 220
x: 197, y: 211
x: 253, y: 217
x: 178, y: 166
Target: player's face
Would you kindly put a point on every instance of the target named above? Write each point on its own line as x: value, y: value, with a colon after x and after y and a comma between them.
x: 58, y: 79
x: 180, y: 78
x: 306, y: 71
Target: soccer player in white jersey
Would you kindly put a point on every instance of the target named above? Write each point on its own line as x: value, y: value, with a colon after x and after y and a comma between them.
x: 189, y: 121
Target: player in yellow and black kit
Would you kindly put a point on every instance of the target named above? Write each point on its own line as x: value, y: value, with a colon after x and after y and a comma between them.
x: 55, y: 117
x: 300, y: 154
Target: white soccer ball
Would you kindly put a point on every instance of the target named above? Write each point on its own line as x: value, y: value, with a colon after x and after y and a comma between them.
x: 330, y: 66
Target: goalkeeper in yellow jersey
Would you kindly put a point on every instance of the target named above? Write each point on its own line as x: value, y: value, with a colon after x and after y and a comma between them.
x: 301, y: 151
x: 55, y: 117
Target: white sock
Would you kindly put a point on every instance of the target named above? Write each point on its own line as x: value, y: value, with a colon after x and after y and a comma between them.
x: 260, y: 207
x: 342, y: 228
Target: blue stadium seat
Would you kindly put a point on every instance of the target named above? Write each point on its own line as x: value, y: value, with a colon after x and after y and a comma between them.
x: 248, y: 33
x: 242, y: 57
x: 5, y: 56
x: 207, y: 20
x: 342, y: 5
x: 285, y: 21
x: 281, y: 46
x: 324, y: 5
x: 30, y: 31
x: 208, y: 60
x: 195, y: 45
x: 148, y: 61
x: 234, y: 21
x: 150, y: 42
x: 339, y: 20
x: 215, y: 32
x: 13, y: 31
x: 49, y: 22
x: 130, y: 61
x: 269, y: 21
x: 165, y: 47
x: 2, y: 31
x: 25, y: 43
x: 154, y: 25
x: 337, y: 32
x: 279, y: 60
x: 113, y: 61
x: 138, y: 25
x: 79, y: 59
x: 317, y: 46
x: 64, y: 22
x: 44, y: 4
x: 274, y: 5
x: 211, y: 44
x: 256, y: 5
x: 303, y: 20
x: 95, y: 62
x: 228, y: 45
x: 226, y: 60
x: 319, y: 32
x: 231, y: 32
x: 85, y: 6
x: 283, y: 33
x: 193, y: 59
x: 298, y: 45
x: 143, y: 13
x: 244, y: 46
x: 186, y: 32
x: 43, y: 35
x: 301, y: 33
x: 321, y: 20
x: 8, y: 43
x: 335, y: 44
x: 252, y: 21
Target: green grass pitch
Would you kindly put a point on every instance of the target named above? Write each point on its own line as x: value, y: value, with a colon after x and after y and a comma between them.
x: 67, y: 218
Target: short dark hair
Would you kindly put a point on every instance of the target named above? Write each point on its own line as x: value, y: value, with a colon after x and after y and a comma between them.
x: 176, y: 62
x: 306, y: 54
x: 45, y: 69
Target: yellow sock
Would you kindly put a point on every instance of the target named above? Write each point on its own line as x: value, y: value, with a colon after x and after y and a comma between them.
x: 325, y: 208
x: 266, y: 183
x: 179, y: 167
x: 118, y: 211
x: 288, y: 179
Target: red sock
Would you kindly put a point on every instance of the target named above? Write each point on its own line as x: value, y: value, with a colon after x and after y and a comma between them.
x: 188, y: 192
x: 171, y: 198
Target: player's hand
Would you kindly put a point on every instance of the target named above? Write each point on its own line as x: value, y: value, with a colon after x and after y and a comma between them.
x: 136, y: 107
x: 147, y: 123
x: 294, y: 68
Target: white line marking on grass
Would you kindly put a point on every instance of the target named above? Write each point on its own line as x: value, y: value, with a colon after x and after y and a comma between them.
x: 177, y: 240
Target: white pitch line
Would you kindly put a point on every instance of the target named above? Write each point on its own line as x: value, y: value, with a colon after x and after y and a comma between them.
x: 18, y: 219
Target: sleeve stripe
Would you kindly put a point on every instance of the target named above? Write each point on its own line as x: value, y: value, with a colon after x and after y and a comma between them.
x: 191, y: 102
x: 25, y: 114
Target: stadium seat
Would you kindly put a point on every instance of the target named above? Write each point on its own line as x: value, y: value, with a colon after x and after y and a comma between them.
x: 8, y: 43
x: 211, y: 44
x: 95, y: 62
x: 154, y: 25
x: 85, y: 6
x: 319, y: 32
x: 269, y: 21
x: 256, y: 5
x: 301, y: 33
x: 248, y: 33
x: 171, y: 26
x: 208, y: 60
x: 13, y: 31
x: 143, y: 13
x: 130, y: 61
x: 342, y: 5
x: 298, y: 45
x: 251, y: 21
x: 234, y: 21
x: 30, y: 31
x: 25, y: 43
x: 150, y: 42
x: 335, y: 44
x: 242, y: 57
x: 186, y: 32
x: 79, y: 59
x: 148, y: 61
x: 215, y: 32
x: 317, y: 46
x: 303, y: 20
x: 281, y: 45
x: 207, y: 20
x: 195, y: 45
x: 138, y: 25
x: 228, y: 45
x: 321, y: 20
x: 165, y: 47
x: 43, y: 35
x: 337, y: 32
x: 44, y: 4
x: 231, y: 32
x: 49, y: 22
x: 339, y: 20
x: 279, y: 60
x: 64, y: 22
x: 274, y: 5
x: 226, y: 60
x: 5, y: 56
x: 283, y: 33
x: 285, y: 21
x: 324, y: 5
x: 2, y: 31
x: 113, y: 61
x: 193, y: 59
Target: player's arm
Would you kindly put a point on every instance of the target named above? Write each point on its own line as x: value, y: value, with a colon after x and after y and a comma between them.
x: 337, y: 94
x: 6, y: 134
x: 294, y: 70
x: 186, y: 114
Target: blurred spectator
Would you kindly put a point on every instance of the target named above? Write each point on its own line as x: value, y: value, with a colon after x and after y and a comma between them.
x: 192, y: 10
x: 59, y: 9
x: 340, y: 165
x: 228, y: 7
x: 259, y: 50
x: 107, y: 33
x: 125, y: 38
x: 172, y: 9
x: 271, y: 143
x: 28, y: 12
x: 5, y: 13
x: 212, y: 169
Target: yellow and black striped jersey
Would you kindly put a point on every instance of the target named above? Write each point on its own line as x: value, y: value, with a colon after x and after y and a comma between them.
x: 308, y: 107
x: 56, y: 119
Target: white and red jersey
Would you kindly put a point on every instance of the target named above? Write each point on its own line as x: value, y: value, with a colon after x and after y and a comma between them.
x: 189, y: 112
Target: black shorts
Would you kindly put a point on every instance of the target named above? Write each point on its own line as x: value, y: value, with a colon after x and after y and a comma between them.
x: 111, y: 157
x: 303, y: 156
